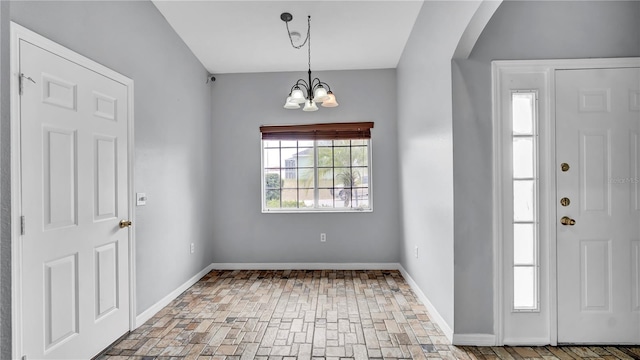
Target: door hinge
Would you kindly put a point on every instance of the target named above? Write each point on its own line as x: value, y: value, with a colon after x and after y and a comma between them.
x: 22, y: 225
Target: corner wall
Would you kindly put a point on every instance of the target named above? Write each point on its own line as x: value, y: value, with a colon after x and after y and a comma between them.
x: 172, y: 128
x: 426, y: 150
x: 519, y: 30
x: 5, y: 187
x: 243, y: 234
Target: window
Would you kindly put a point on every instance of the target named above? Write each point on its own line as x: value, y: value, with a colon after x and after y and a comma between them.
x: 525, y: 190
x: 315, y: 168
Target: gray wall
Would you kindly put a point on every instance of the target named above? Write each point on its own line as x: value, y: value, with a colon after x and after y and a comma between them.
x: 426, y: 148
x: 519, y: 30
x: 172, y: 128
x: 243, y: 102
x: 5, y: 188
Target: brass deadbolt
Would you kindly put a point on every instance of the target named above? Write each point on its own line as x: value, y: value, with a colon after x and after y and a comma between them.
x: 567, y: 221
x: 565, y: 167
x: 124, y: 224
x: 565, y: 201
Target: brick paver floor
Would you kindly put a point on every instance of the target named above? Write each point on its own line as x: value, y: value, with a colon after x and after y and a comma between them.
x: 314, y: 314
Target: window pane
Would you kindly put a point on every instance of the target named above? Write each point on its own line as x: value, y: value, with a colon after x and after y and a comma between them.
x: 272, y: 199
x: 523, y: 251
x: 305, y: 157
x: 271, y: 158
x: 360, y: 197
x: 305, y: 143
x: 523, y: 206
x: 325, y: 156
x: 305, y: 178
x: 523, y: 157
x: 341, y: 142
x: 359, y: 156
x: 305, y: 197
x: 271, y: 143
x: 522, y: 113
x: 289, y: 178
x: 524, y: 286
x: 325, y: 177
x: 325, y: 198
x: 272, y: 180
x: 342, y: 156
x: 289, y: 144
x: 290, y: 198
x: 345, y: 177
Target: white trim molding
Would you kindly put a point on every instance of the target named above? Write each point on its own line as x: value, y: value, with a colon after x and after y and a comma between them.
x: 548, y: 256
x: 20, y: 33
x: 305, y: 266
x: 155, y: 308
x: 433, y: 312
x: 474, y: 339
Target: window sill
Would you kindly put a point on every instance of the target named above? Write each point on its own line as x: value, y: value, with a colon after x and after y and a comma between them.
x: 316, y: 211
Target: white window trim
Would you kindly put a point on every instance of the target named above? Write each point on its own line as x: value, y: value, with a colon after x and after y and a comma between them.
x: 316, y: 210
x: 547, y: 213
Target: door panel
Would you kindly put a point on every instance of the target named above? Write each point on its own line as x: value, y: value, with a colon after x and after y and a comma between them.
x: 594, y: 159
x: 596, y: 134
x: 74, y: 156
x: 61, y: 299
x: 59, y: 177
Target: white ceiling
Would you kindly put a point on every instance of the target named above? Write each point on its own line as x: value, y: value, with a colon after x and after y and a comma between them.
x: 248, y: 36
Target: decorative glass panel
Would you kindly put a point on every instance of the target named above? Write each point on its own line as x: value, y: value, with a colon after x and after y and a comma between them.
x: 522, y: 104
x: 523, y: 250
x: 523, y: 205
x: 524, y: 286
x: 522, y: 157
x: 525, y: 182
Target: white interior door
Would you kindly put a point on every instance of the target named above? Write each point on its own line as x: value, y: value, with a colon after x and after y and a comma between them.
x: 598, y: 258
x: 74, y: 181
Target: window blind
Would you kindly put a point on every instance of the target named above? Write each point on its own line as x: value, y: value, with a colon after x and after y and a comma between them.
x: 328, y: 131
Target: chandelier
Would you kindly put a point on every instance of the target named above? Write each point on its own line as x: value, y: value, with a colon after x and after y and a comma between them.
x: 310, y: 92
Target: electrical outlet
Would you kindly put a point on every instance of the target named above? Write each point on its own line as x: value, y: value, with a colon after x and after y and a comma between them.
x: 193, y: 248
x: 323, y: 237
x: 416, y: 251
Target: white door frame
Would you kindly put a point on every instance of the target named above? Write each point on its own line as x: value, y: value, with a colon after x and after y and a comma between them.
x: 19, y: 33
x: 547, y: 67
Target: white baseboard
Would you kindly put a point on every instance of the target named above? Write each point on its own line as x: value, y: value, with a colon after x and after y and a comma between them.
x: 305, y: 266
x: 433, y: 313
x: 526, y: 341
x: 474, y: 339
x: 153, y: 309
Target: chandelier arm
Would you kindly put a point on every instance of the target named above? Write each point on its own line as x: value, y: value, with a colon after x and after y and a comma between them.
x: 302, y: 83
x: 325, y: 85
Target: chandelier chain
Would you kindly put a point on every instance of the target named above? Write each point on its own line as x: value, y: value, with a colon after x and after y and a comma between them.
x: 306, y: 38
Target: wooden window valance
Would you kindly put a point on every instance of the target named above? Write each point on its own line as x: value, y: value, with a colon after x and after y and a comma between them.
x: 332, y: 131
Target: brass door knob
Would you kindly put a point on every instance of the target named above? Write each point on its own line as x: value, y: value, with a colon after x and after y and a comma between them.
x: 124, y: 224
x: 567, y: 221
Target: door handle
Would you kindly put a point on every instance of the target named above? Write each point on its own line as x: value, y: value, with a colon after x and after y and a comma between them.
x: 124, y: 224
x: 567, y: 221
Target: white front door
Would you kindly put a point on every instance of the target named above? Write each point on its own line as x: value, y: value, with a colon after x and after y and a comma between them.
x: 74, y: 189
x: 598, y: 257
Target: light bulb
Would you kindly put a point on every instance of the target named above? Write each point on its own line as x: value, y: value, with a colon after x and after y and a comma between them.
x: 310, y: 105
